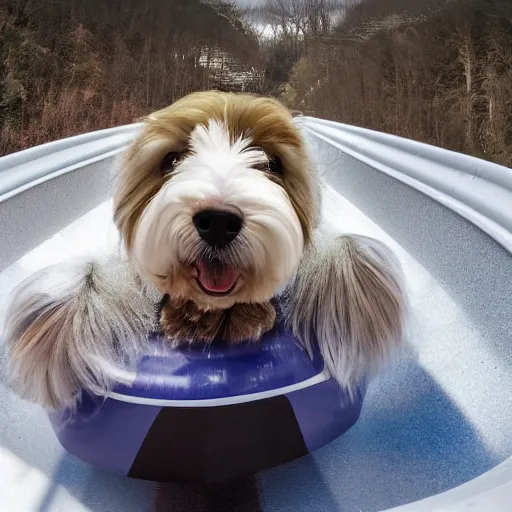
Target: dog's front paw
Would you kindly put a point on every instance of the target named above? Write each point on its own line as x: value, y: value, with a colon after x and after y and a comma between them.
x: 248, y: 322
x: 184, y: 322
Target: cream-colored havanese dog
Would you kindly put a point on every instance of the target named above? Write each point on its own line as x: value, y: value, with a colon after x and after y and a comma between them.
x: 218, y: 207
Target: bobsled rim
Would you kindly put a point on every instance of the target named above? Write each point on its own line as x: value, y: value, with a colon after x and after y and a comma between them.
x: 228, y: 400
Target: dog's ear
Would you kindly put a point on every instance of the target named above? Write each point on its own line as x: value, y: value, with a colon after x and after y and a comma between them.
x: 349, y: 298
x: 66, y: 324
x: 139, y: 177
x: 303, y: 187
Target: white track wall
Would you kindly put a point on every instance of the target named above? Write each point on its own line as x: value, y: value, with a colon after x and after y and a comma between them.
x: 44, y: 189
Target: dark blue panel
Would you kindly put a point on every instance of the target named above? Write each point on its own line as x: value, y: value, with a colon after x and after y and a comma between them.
x: 325, y: 411
x: 107, y: 434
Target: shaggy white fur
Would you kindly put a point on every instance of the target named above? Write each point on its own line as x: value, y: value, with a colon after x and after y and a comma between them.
x: 220, y: 172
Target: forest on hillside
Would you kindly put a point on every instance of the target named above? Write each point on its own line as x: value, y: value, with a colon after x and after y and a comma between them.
x: 438, y: 71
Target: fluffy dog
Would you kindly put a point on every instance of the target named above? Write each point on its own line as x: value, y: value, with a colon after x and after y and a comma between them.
x: 218, y: 206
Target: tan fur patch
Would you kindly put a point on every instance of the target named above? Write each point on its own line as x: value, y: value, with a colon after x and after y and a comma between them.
x: 43, y: 337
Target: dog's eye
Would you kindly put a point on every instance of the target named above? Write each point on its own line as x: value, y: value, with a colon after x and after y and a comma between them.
x: 275, y: 166
x: 169, y: 162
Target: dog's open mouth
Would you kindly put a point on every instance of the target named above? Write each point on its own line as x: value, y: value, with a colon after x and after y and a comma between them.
x: 216, y: 278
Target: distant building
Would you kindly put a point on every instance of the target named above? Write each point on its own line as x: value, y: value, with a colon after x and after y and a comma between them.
x: 226, y: 72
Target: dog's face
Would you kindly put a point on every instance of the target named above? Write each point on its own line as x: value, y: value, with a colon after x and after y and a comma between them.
x: 216, y: 200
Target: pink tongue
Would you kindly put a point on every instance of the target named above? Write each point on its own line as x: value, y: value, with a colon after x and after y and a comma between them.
x: 217, y: 279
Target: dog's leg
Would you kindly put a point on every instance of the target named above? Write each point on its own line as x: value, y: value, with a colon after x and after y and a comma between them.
x: 248, y: 322
x: 349, y: 297
x: 183, y: 322
x: 75, y: 325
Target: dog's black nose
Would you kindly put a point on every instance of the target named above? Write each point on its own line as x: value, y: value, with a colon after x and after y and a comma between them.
x: 217, y: 228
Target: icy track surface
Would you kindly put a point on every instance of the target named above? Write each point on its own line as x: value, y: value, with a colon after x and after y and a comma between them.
x: 439, y: 418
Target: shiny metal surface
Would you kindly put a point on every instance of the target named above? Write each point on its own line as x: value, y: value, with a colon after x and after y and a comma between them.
x: 436, y: 421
